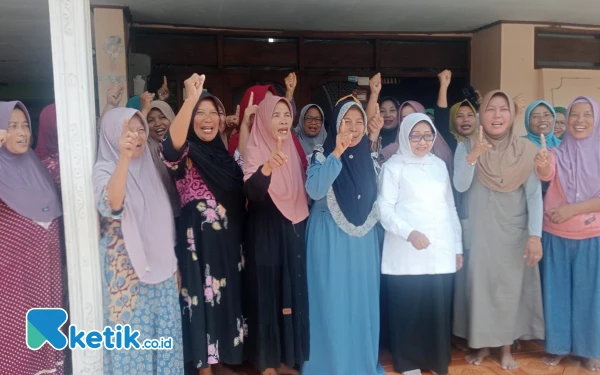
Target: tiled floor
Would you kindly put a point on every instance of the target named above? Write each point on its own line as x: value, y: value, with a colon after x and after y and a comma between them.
x: 529, y: 358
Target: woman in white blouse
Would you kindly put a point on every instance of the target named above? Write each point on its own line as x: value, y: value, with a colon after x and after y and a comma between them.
x: 422, y: 249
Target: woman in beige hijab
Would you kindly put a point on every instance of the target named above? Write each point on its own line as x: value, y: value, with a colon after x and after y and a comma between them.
x: 498, y: 295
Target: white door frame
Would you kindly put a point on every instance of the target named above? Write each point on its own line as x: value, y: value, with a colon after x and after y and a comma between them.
x: 70, y: 31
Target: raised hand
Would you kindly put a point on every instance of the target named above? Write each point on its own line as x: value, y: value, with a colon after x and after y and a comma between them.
x: 519, y: 104
x: 146, y: 99
x: 277, y: 157
x: 445, y: 78
x: 194, y: 86
x: 418, y: 240
x: 375, y: 84
x: 290, y: 85
x: 250, y: 111
x: 233, y: 121
x: 533, y: 251
x: 343, y: 140
x: 479, y: 147
x: 127, y: 141
x: 541, y: 159
x: 3, y: 135
x: 114, y: 95
x: 374, y: 126
x: 163, y: 92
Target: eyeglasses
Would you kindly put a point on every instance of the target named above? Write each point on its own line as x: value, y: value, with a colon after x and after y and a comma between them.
x: 416, y: 138
x: 546, y: 116
x: 314, y: 120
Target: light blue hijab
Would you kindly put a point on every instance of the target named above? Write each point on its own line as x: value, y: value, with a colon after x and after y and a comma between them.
x: 551, y: 140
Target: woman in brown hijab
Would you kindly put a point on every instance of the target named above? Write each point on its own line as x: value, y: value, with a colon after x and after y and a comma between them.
x: 498, y: 295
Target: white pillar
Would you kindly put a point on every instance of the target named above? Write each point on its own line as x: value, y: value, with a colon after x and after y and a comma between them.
x: 70, y: 31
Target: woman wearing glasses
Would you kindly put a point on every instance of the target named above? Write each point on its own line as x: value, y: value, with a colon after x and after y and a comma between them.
x: 422, y: 249
x: 310, y: 130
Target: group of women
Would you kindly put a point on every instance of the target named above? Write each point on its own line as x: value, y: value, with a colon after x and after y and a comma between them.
x: 268, y: 245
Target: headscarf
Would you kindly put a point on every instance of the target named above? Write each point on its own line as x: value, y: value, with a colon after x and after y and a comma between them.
x: 222, y: 175
x: 453, y: 112
x: 47, y: 143
x: 287, y: 182
x: 260, y: 93
x: 440, y: 147
x: 551, y: 140
x: 135, y: 102
x: 355, y: 187
x: 147, y: 221
x: 25, y: 184
x: 562, y: 110
x: 308, y: 143
x: 388, y: 136
x: 578, y: 160
x: 162, y: 169
x: 430, y: 111
x: 510, y: 161
x: 389, y: 151
x: 405, y: 153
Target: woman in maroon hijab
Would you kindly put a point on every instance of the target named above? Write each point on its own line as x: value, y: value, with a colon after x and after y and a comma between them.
x: 47, y: 144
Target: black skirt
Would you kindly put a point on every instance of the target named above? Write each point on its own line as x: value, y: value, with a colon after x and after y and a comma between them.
x: 275, y: 291
x: 420, y: 321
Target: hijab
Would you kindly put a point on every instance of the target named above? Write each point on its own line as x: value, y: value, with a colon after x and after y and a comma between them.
x: 162, y: 169
x: 562, y: 110
x: 355, y: 187
x: 389, y: 151
x: 510, y: 161
x: 135, y: 102
x: 578, y: 160
x: 405, y: 153
x: 287, y: 182
x: 147, y: 222
x: 453, y: 112
x: 260, y: 93
x: 221, y: 174
x: 388, y: 136
x: 47, y: 143
x: 25, y: 184
x: 551, y: 140
x: 308, y: 143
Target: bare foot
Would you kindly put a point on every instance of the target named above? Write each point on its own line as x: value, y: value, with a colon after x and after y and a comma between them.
x: 552, y: 360
x: 506, y: 359
x: 284, y: 370
x: 592, y: 364
x: 476, y: 358
x: 269, y: 371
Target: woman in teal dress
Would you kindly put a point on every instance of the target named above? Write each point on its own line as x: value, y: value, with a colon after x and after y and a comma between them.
x: 343, y: 260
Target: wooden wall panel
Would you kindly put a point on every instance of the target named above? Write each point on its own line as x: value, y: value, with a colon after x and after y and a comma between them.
x: 582, y: 51
x: 178, y: 50
x: 435, y: 55
x: 339, y: 53
x: 259, y: 53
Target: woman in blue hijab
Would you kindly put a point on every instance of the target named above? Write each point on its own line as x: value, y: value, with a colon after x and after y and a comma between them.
x: 540, y: 118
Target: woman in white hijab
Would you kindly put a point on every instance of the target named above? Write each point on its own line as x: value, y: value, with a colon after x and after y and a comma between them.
x: 422, y: 249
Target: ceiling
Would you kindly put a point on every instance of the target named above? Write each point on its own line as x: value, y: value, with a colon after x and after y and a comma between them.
x: 25, y: 51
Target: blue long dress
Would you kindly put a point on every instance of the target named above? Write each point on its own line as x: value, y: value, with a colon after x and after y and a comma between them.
x: 343, y: 283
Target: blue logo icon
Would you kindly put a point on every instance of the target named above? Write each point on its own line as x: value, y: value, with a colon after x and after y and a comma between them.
x: 43, y: 326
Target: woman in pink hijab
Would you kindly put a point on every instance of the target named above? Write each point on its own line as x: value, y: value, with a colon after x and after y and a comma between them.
x: 440, y: 147
x: 276, y: 252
